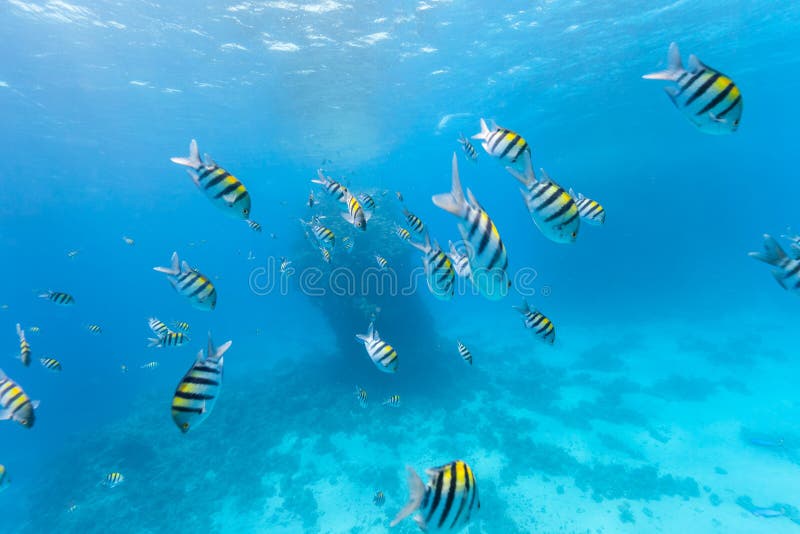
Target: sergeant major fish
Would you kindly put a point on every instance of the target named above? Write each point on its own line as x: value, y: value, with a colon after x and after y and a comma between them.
x: 169, y: 339
x: 355, y: 213
x: 381, y: 353
x: 393, y: 401
x: 590, y: 211
x: 62, y: 299
x: 414, y: 222
x: 787, y: 273
x: 190, y: 283
x: 464, y: 352
x: 112, y: 480
x: 502, y: 143
x: 542, y: 326
x: 24, y: 347
x: 439, y: 273
x: 361, y: 396
x: 51, y: 364
x: 15, y: 405
x: 367, y: 202
x: 469, y: 150
x: 460, y: 262
x: 334, y: 188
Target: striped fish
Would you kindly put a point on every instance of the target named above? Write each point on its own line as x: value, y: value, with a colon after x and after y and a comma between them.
x: 15, y: 404
x: 447, y: 502
x: 62, y: 299
x: 285, y: 263
x: 35, y: 330
x: 393, y: 401
x: 708, y: 98
x: 381, y: 261
x: 439, y: 273
x: 551, y: 207
x: 220, y: 186
x: 367, y: 202
x: 381, y: 353
x: 464, y: 352
x: 399, y: 195
x: 169, y: 339
x: 401, y: 232
x: 414, y: 222
x: 190, y: 283
x: 149, y: 365
x: 787, y: 273
x: 487, y: 255
x: 24, y: 347
x: 311, y: 200
x: 469, y: 150
x: 590, y: 210
x: 51, y: 364
x: 324, y: 235
x: 347, y: 243
x: 112, y: 480
x: 326, y: 254
x: 361, y: 395
x: 378, y: 499
x: 502, y: 143
x: 94, y: 329
x: 181, y: 325
x: 254, y: 226
x: 158, y: 327
x: 542, y: 326
x: 333, y: 188
x: 4, y: 480
x: 460, y: 262
x: 355, y: 213
x: 198, y: 390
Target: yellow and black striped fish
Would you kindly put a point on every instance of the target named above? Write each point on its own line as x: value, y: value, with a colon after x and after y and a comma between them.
x: 502, y: 143
x: 324, y: 235
x: 393, y: 401
x: 708, y: 98
x: 447, y: 502
x: 469, y: 150
x: 35, y: 330
x: 552, y: 209
x: 361, y: 396
x: 464, y: 352
x: 4, y: 480
x: 381, y: 261
x: 487, y: 255
x: 149, y: 365
x: 112, y: 480
x: 254, y: 225
x: 94, y: 329
x: 439, y: 273
x: 381, y: 353
x: 379, y: 498
x: 197, y: 392
x: 460, y: 261
x: 347, y: 243
x: 402, y: 233
x: 326, y: 254
x: 15, y: 404
x: 366, y: 201
x: 220, y: 186
x: 355, y: 213
x: 181, y: 325
x: 541, y: 325
x: 787, y: 273
x: 62, y: 299
x: 590, y: 210
x: 334, y: 188
x: 190, y: 283
x: 158, y: 327
x: 169, y: 339
x: 24, y: 347
x: 51, y: 364
x: 414, y: 222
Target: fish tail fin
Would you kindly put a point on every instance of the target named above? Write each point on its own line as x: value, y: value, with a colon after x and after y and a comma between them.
x: 20, y: 333
x: 153, y: 342
x: 524, y: 308
x: 173, y: 269
x: 484, y: 133
x: 369, y: 335
x: 416, y: 491
x: 321, y: 180
x: 452, y: 202
x: 215, y: 353
x: 773, y: 253
x: 674, y: 66
x: 529, y: 177
x: 193, y: 161
x: 3, y: 375
x: 46, y: 295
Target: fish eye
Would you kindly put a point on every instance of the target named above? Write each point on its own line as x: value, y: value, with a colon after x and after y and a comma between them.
x: 23, y: 422
x: 185, y: 426
x: 574, y: 234
x: 245, y: 211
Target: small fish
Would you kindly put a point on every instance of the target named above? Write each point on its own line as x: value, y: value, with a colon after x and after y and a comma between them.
x: 4, y: 480
x: 24, y: 347
x: 51, y: 364
x: 311, y: 200
x: 361, y: 395
x: 460, y: 262
x: 181, y: 325
x: 15, y: 404
x: 190, y: 283
x: 347, y: 243
x: 128, y: 241
x: 169, y: 339
x: 62, y: 299
x: 123, y: 368
x: 198, y: 390
x: 399, y: 195
x: 367, y: 202
x: 94, y: 329
x: 254, y: 225
x: 543, y: 327
x: 379, y: 498
x: 464, y: 352
x: 324, y: 235
x: 768, y: 512
x: 787, y: 273
x: 112, y: 480
x: 381, y: 262
x: 326, y: 254
x: 72, y: 508
x: 447, y: 502
x: 149, y: 365
x: 439, y: 273
x: 381, y: 353
x: 72, y: 253
x: 502, y: 143
x: 35, y: 330
x: 158, y: 327
x: 222, y: 188
x: 708, y: 98
x: 590, y: 210
x: 250, y: 255
x: 551, y: 207
x: 334, y: 188
x: 355, y: 213
x: 414, y: 222
x: 393, y: 401
x: 285, y: 263
x: 469, y: 150
x: 402, y: 233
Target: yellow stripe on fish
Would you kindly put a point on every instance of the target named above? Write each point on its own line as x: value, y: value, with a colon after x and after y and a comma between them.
x: 381, y: 353
x: 190, y: 283
x: 590, y: 210
x: 24, y: 347
x: 15, y: 403
x: 542, y: 327
x: 502, y: 143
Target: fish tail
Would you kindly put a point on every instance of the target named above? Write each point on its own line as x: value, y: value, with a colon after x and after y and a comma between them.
x: 173, y: 269
x: 215, y: 353
x: 20, y: 333
x: 773, y: 253
x: 484, y: 133
x: 153, y: 342
x: 524, y: 308
x: 674, y: 66
x: 452, y: 202
x: 416, y: 491
x: 193, y: 161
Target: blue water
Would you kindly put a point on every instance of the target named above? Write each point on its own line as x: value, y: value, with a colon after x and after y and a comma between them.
x: 667, y: 401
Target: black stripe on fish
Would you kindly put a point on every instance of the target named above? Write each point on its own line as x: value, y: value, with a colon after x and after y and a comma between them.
x: 193, y: 396
x: 229, y: 189
x: 451, y: 493
x: 690, y: 82
x: 216, y: 179
x: 561, y: 211
x: 186, y: 409
x: 437, y: 497
x: 190, y: 379
x: 703, y: 88
x: 717, y: 99
x: 729, y: 108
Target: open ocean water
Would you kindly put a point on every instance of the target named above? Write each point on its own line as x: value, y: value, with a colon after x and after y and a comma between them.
x: 668, y: 402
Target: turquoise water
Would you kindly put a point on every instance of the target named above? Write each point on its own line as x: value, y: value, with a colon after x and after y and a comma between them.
x: 667, y: 402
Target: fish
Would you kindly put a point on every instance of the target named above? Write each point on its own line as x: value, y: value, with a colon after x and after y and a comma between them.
x: 414, y: 222
x: 123, y: 368
x: 383, y: 355
x: 439, y: 273
x: 254, y: 225
x: 169, y: 339
x: 460, y: 262
x: 381, y: 262
x: 128, y: 240
x: 15, y: 403
x: 361, y: 395
x: 543, y: 327
x: 552, y: 209
x: 787, y: 273
x: 708, y: 98
x: 35, y: 330
x: 198, y: 390
x: 222, y: 188
x: 447, y: 502
x: 355, y: 213
x: 181, y: 325
x: 367, y: 202
x: 51, y: 364
x: 347, y: 243
x: 62, y: 299
x: 72, y: 253
x: 332, y: 187
x: 469, y: 150
x: 158, y: 327
x: 464, y: 352
x: 502, y: 143
x: 4, y: 480
x: 488, y: 259
x: 24, y: 347
x: 326, y: 254
x: 590, y: 211
x: 401, y: 232
x: 94, y: 329
x: 191, y: 284
x: 399, y: 195
x: 393, y: 401
x: 324, y: 235
x: 379, y: 498
x: 150, y: 365
x: 112, y: 480
x: 72, y: 507
x: 285, y: 263
x: 311, y: 200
